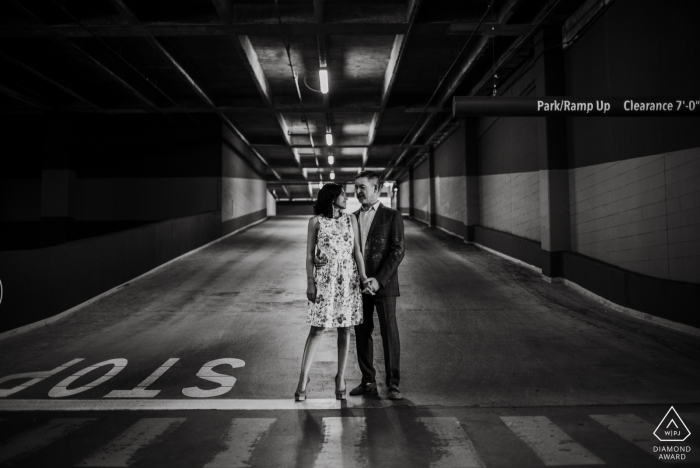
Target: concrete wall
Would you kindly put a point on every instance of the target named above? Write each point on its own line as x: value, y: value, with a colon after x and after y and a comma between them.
x: 271, y: 205
x: 611, y: 204
x: 109, y: 200
x: 642, y: 214
x: 509, y: 170
x: 295, y: 208
x: 243, y: 185
x: 421, y: 192
x: 451, y: 183
x: 635, y: 182
x: 405, y: 197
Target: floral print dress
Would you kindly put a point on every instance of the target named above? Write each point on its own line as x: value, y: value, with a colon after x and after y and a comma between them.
x: 338, y: 298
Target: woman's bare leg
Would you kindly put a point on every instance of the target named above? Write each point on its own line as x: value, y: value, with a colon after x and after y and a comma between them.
x: 343, y: 348
x: 312, y: 342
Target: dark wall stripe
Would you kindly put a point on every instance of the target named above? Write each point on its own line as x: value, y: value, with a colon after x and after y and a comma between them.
x: 525, y: 250
x: 508, y: 145
x: 673, y: 300
x: 300, y: 208
x: 242, y: 221
x: 452, y: 225
x: 238, y: 160
x: 421, y: 215
x: 450, y: 155
x: 422, y: 171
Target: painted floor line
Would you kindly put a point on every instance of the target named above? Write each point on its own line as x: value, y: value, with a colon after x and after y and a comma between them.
x: 342, y: 439
x: 166, y: 405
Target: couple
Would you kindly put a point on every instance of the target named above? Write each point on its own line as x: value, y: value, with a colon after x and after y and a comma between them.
x: 345, y: 249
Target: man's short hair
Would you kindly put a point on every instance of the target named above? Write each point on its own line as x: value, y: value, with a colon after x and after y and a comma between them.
x: 372, y: 176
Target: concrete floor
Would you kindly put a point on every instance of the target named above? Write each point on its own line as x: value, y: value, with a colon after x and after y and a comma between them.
x: 492, y: 359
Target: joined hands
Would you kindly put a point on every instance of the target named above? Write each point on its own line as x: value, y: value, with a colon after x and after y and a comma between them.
x: 371, y: 286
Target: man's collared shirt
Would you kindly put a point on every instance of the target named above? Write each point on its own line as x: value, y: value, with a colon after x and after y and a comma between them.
x: 366, y: 217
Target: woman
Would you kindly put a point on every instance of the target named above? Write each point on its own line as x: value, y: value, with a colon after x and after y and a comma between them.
x: 333, y: 290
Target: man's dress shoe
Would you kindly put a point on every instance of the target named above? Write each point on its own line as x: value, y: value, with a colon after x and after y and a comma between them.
x: 394, y: 393
x: 364, y: 388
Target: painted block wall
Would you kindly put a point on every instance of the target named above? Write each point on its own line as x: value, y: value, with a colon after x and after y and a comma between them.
x: 509, y: 192
x: 634, y: 181
x: 633, y: 184
x: 642, y: 214
x: 271, y: 205
x: 421, y: 192
x: 451, y: 183
x: 243, y: 186
x: 511, y: 203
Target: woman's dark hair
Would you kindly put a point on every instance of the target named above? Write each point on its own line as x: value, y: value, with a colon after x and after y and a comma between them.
x: 326, y: 196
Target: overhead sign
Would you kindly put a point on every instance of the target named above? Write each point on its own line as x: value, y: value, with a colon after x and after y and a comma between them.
x: 570, y: 106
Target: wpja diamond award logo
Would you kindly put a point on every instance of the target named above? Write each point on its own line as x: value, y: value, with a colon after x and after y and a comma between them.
x: 672, y: 429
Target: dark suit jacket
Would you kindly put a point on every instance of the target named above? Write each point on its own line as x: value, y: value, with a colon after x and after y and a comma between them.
x: 384, y: 249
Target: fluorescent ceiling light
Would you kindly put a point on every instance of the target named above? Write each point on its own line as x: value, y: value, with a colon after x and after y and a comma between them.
x: 323, y: 76
x: 331, y: 159
x: 332, y: 175
x: 329, y: 139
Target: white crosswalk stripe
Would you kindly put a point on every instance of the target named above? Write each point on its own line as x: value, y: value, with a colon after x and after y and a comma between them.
x: 452, y: 446
x: 121, y: 450
x: 243, y: 435
x: 28, y: 442
x: 552, y: 445
x: 342, y: 437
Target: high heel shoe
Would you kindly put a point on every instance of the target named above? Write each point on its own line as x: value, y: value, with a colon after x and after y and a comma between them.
x: 301, y: 396
x: 340, y: 394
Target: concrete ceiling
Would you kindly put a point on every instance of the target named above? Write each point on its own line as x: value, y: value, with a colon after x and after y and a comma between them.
x: 393, y: 68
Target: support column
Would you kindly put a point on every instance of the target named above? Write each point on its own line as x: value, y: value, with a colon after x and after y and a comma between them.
x: 58, y: 202
x: 555, y: 232
x: 432, y: 217
x: 471, y: 152
x: 411, y: 191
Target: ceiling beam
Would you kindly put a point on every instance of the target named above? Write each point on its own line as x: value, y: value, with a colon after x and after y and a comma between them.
x: 139, y: 93
x: 251, y: 61
x: 265, y: 145
x: 464, y: 67
x: 247, y: 108
x: 397, y: 51
x: 160, y: 29
x: 154, y: 43
x: 22, y: 97
x: 506, y: 12
x: 48, y: 80
x: 322, y: 60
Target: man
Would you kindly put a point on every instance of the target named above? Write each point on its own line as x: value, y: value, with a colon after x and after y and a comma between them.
x: 381, y: 232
